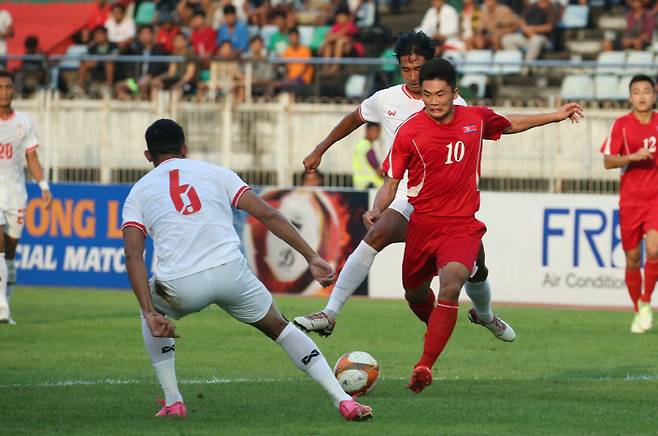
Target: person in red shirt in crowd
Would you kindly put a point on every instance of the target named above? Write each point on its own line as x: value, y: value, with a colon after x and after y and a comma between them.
x: 166, y: 32
x: 203, y: 36
x: 339, y: 41
x: 631, y: 146
x: 441, y: 147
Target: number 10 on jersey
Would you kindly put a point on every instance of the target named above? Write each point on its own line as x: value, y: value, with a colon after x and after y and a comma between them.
x: 455, y: 152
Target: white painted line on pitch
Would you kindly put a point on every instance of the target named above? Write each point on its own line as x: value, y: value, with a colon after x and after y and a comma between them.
x: 219, y: 380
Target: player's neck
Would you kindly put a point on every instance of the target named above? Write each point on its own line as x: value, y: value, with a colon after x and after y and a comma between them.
x: 6, y: 112
x: 164, y: 158
x: 446, y: 119
x: 643, y: 117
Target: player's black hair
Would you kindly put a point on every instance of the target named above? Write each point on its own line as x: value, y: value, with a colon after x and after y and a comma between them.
x: 164, y: 136
x: 642, y: 78
x: 370, y: 124
x: 438, y: 69
x: 6, y: 73
x: 229, y: 10
x: 414, y: 43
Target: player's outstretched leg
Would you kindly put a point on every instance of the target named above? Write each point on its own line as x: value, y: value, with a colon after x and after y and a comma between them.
x: 441, y: 324
x: 390, y: 228
x: 4, y: 304
x: 163, y: 357
x: 306, y: 356
x: 478, y: 290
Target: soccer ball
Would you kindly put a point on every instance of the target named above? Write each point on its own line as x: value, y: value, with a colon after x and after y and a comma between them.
x: 357, y: 372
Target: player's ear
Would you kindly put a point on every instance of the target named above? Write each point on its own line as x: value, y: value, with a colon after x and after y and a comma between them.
x: 147, y: 155
x: 183, y: 150
x: 455, y: 93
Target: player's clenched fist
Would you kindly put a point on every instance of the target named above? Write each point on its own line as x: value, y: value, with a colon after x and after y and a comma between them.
x: 312, y: 161
x: 322, y: 271
x: 370, y: 217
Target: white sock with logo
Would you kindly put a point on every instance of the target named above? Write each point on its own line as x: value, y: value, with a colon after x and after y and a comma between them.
x: 307, y: 356
x: 4, y: 304
x: 480, y: 295
x: 354, y: 272
x: 163, y: 357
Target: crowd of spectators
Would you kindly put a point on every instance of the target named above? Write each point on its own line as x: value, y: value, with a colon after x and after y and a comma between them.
x: 206, y: 31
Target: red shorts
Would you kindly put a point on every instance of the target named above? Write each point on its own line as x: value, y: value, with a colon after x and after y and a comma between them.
x: 434, y: 242
x: 635, y: 222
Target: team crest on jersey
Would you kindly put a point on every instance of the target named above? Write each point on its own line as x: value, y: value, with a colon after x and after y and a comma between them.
x: 470, y: 129
x: 392, y: 113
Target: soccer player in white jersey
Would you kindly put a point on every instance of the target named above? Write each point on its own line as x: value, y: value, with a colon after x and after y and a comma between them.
x: 18, y: 146
x: 185, y: 205
x: 391, y: 107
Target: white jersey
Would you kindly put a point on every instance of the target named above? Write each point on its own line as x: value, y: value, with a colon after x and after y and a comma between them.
x: 17, y: 137
x: 185, y: 205
x: 390, y: 107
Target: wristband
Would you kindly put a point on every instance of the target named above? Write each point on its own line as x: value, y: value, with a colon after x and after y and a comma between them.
x: 43, y: 184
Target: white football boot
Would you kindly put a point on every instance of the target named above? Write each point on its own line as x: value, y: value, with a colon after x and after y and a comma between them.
x: 636, y: 325
x: 645, y: 314
x: 499, y: 328
x: 317, y: 322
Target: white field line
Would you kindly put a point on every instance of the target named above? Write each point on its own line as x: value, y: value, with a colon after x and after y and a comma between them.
x: 219, y: 381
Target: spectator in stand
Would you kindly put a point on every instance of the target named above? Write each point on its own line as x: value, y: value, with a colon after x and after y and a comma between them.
x: 640, y: 25
x: 279, y: 41
x: 316, y: 12
x: 339, y: 41
x: 139, y: 74
x: 202, y: 37
x: 165, y: 6
x: 441, y: 23
x: 536, y: 29
x: 262, y: 73
x: 257, y: 11
x: 218, y: 14
x: 297, y: 74
x: 180, y: 76
x: 6, y: 32
x: 98, y: 72
x: 233, y: 31
x: 471, y: 21
x: 120, y: 28
x: 366, y: 172
x: 497, y: 20
x: 98, y: 18
x: 32, y: 73
x: 167, y: 31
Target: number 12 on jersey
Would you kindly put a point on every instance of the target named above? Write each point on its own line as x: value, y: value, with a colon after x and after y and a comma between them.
x: 455, y: 152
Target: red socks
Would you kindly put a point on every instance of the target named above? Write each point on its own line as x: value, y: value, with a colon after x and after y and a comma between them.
x: 650, y: 277
x: 439, y: 329
x: 634, y: 283
x: 424, y: 310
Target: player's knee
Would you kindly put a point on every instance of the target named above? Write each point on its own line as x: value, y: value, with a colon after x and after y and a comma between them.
x: 633, y: 260
x: 480, y: 275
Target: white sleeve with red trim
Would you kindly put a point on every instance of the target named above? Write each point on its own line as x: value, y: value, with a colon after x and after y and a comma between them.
x: 233, y: 185
x: 30, y: 140
x: 132, y: 213
x: 397, y: 161
x: 370, y: 110
x: 612, y: 146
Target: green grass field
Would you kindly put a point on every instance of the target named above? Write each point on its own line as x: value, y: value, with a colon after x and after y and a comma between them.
x: 75, y: 364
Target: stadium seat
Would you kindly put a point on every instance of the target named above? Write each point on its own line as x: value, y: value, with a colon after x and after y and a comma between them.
x: 577, y: 87
x: 606, y: 87
x: 75, y: 50
x: 639, y: 58
x: 574, y: 17
x: 483, y: 59
x: 502, y: 56
x: 145, y: 13
x: 477, y: 83
x: 610, y: 62
x: 306, y: 35
x: 456, y: 57
x: 355, y: 86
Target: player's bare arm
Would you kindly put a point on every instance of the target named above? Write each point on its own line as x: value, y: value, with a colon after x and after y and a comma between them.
x: 383, y: 199
x: 281, y: 227
x: 610, y: 161
x: 34, y: 166
x: 133, y: 243
x: 521, y: 123
x: 347, y: 125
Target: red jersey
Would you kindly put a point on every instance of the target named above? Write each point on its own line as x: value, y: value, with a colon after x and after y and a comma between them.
x: 203, y: 41
x: 639, y: 180
x: 443, y: 159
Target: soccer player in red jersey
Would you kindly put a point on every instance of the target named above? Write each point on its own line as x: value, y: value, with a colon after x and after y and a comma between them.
x: 441, y: 147
x: 631, y: 146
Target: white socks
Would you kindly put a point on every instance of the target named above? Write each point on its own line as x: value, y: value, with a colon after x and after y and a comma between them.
x: 4, y: 278
x: 307, y: 356
x: 480, y: 295
x: 354, y: 272
x: 162, y: 352
x: 11, y: 277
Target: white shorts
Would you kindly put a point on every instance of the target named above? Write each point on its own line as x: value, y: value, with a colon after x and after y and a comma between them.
x: 232, y: 286
x: 13, y: 221
x: 401, y: 203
